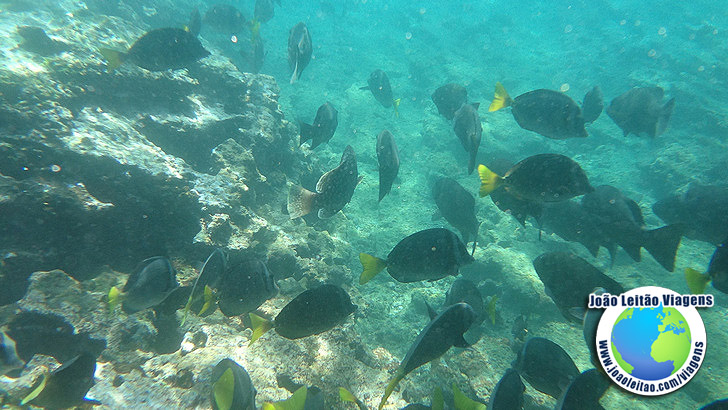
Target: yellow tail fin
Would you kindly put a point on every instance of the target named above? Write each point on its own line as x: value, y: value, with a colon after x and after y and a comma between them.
x: 697, y: 281
x: 438, y: 401
x: 209, y: 300
x: 501, y: 98
x: 346, y: 395
x: 490, y: 309
x: 260, y: 326
x: 390, y: 388
x: 296, y: 402
x: 113, y: 58
x: 372, y: 266
x: 114, y: 298
x: 395, y: 103
x: 463, y: 402
x: 223, y: 390
x: 489, y: 180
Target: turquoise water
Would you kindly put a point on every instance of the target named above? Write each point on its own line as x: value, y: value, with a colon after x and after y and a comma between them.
x: 127, y: 144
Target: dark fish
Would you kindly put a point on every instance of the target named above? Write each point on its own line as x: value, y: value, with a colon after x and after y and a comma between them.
x: 299, y: 50
x: 509, y: 203
x: 200, y: 299
x: 430, y: 254
x: 703, y: 210
x: 51, y: 335
x: 443, y: 332
x: 152, y: 281
x: 9, y: 360
x: 37, y: 41
x: 620, y: 218
x: 640, y: 110
x: 231, y: 387
x: 539, y: 178
x: 333, y: 190
x: 571, y: 222
x: 716, y: 405
x: 159, y: 50
x: 569, y: 279
x: 225, y: 19
x: 264, y: 10
x: 449, y: 98
x: 465, y: 291
x: 244, y: 287
x: 717, y: 272
x: 546, y: 366
x: 519, y: 329
x: 508, y: 393
x: 593, y: 104
x: 66, y: 386
x: 549, y: 113
x: 310, y: 313
x: 378, y: 84
x: 584, y: 392
x: 590, y: 324
x: 457, y: 206
x: 388, y: 158
x: 314, y: 396
x: 195, y: 24
x: 323, y: 128
x: 466, y: 124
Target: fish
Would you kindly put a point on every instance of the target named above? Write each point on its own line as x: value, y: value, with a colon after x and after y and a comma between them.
x: 159, y: 50
x: 463, y: 402
x: 463, y: 290
x: 449, y: 98
x: 201, y: 297
x: 590, y: 324
x: 225, y: 18
x: 716, y: 405
x: 333, y: 190
x: 300, y: 49
x: 430, y: 254
x: 550, y: 113
x: 378, y: 84
x: 508, y: 393
x: 299, y: 400
x: 467, y: 127
x: 457, y: 206
x: 9, y: 359
x: 50, y: 335
x: 717, y: 272
x: 264, y: 10
x: 231, y: 387
x: 569, y: 279
x: 584, y: 392
x: 519, y: 328
x: 323, y: 127
x: 195, y: 24
x: 37, y: 41
x: 244, y: 287
x: 312, y: 312
x: 151, y: 282
x: 702, y: 209
x: 546, y: 366
x: 593, y: 105
x: 539, y: 178
x: 314, y: 396
x: 443, y: 332
x: 388, y: 159
x: 620, y: 219
x: 640, y: 110
x: 570, y: 221
x: 66, y: 386
x: 348, y: 397
x: 510, y: 204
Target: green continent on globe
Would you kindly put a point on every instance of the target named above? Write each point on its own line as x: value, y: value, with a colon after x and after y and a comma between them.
x: 671, y: 344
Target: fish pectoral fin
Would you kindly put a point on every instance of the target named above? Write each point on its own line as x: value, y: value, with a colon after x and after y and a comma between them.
x: 696, y: 280
x: 371, y: 267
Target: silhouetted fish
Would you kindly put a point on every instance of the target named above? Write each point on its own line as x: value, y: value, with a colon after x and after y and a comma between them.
x: 231, y: 387
x: 549, y: 113
x: 9, y: 359
x: 264, y: 10
x: 443, y: 332
x: 584, y: 392
x: 158, y: 50
x: 151, y: 282
x: 323, y: 127
x: 509, y: 203
x: 508, y: 393
x: 430, y: 254
x: 378, y: 84
x: 333, y: 190
x: 703, y: 210
x: 593, y: 104
x: 546, y: 366
x: 457, y: 206
x: 245, y: 286
x: 569, y: 279
x: 590, y: 325
x: 449, y: 98
x: 66, y: 386
x: 717, y: 272
x: 620, y: 219
x: 225, y: 18
x: 299, y: 50
x: 310, y: 313
x: 388, y: 158
x: 37, y: 41
x: 463, y: 290
x: 466, y: 124
x: 640, y: 110
x: 200, y: 298
x: 571, y: 222
x: 539, y: 178
x: 716, y: 405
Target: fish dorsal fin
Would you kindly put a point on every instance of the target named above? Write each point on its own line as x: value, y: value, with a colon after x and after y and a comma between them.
x: 430, y: 311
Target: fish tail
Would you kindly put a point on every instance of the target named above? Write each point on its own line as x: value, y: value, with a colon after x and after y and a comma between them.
x: 188, y: 306
x: 501, y: 99
x: 114, y: 298
x: 696, y: 281
x: 209, y: 298
x: 489, y: 180
x: 395, y: 104
x: 306, y: 133
x: 260, y: 326
x: 662, y: 244
x: 371, y: 265
x: 296, y: 402
x: 346, y: 395
x: 664, y: 118
x: 300, y: 201
x: 390, y: 388
x: 113, y: 58
x: 37, y: 390
x: 438, y: 401
x: 490, y: 309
